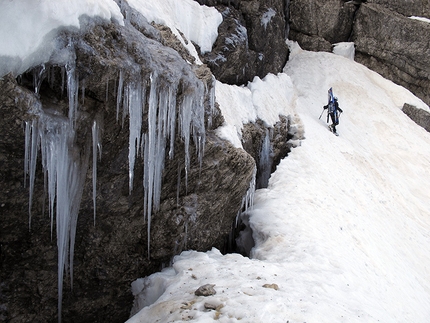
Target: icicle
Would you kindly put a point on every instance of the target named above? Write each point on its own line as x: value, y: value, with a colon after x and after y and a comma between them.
x: 150, y: 160
x: 264, y: 162
x: 212, y: 102
x: 96, y: 146
x: 27, y: 150
x: 248, y: 199
x: 119, y: 93
x: 171, y: 117
x: 79, y: 171
x: 136, y: 99
x: 32, y: 169
x: 38, y: 76
x: 185, y: 126
x: 72, y: 91
x: 65, y: 171
x: 125, y: 105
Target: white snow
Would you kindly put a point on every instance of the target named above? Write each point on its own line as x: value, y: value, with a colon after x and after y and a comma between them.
x: 424, y: 19
x: 342, y: 229
x: 345, y: 49
x: 265, y: 98
x: 28, y: 27
x: 197, y: 23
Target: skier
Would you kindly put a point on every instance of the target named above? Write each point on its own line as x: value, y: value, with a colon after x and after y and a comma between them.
x: 333, y: 111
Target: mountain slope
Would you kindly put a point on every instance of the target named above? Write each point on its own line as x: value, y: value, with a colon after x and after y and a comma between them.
x: 341, y: 230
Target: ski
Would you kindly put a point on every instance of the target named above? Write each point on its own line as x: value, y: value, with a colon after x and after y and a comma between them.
x: 331, y: 130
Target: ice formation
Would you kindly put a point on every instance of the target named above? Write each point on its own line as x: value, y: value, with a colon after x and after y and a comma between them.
x: 173, y: 106
x: 65, y: 169
x: 265, y: 163
x: 165, y: 102
x: 267, y: 17
x: 96, y: 131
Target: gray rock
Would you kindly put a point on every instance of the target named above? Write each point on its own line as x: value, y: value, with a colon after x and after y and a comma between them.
x: 251, y: 40
x: 420, y: 116
x: 205, y: 290
x: 395, y: 46
x: 386, y: 39
x: 316, y: 24
x: 418, y: 8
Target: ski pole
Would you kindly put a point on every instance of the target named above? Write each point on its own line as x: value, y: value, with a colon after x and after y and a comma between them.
x: 321, y: 114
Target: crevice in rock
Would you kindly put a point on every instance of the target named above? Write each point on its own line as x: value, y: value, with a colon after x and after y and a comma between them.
x: 268, y: 146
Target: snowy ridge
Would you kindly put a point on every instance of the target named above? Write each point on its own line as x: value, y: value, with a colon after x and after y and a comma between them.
x: 341, y: 230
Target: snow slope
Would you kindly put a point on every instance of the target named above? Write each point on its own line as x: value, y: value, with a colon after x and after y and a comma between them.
x: 342, y: 229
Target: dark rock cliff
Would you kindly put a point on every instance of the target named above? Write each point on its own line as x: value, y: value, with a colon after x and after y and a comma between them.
x: 199, y: 198
x: 251, y: 39
x: 395, y: 46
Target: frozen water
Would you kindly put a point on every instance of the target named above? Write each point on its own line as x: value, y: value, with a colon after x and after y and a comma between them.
x: 66, y: 170
x: 135, y: 94
x: 267, y: 17
x: 97, y: 146
x: 265, y: 163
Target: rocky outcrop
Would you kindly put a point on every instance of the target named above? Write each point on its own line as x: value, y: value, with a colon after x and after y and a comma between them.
x: 408, y: 8
x: 386, y: 39
x: 316, y: 25
x: 268, y: 145
x: 251, y: 40
x: 197, y: 206
x: 395, y: 46
x: 420, y: 116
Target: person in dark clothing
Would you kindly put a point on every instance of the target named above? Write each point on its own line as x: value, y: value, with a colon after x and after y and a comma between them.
x: 333, y: 111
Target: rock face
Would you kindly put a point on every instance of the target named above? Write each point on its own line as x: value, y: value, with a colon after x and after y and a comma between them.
x: 197, y: 206
x: 395, y: 46
x: 420, y: 116
x: 316, y: 25
x: 386, y: 39
x: 251, y: 40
